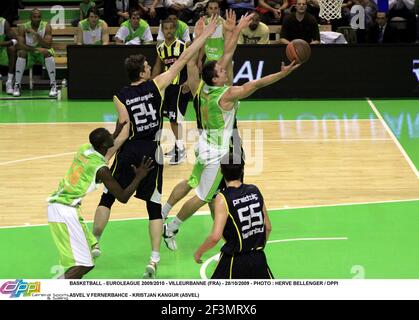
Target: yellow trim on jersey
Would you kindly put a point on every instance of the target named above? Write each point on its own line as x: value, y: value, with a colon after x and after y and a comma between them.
x: 231, y: 266
x: 132, y: 130
x: 161, y: 96
x: 234, y: 222
x: 270, y: 274
x: 158, y: 167
x: 221, y: 256
x: 116, y: 161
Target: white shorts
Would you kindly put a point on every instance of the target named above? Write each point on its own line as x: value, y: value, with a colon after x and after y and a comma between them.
x: 71, y: 236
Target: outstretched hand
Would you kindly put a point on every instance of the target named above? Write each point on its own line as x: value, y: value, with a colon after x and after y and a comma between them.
x: 197, y: 257
x: 287, y: 69
x: 245, y: 21
x: 199, y: 27
x: 144, y: 168
x: 118, y: 128
x: 211, y: 26
x: 230, y: 21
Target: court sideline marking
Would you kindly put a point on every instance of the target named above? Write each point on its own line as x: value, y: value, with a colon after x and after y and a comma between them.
x: 393, y: 137
x: 216, y: 257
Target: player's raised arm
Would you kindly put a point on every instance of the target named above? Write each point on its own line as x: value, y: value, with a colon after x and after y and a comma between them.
x: 192, y: 64
x: 240, y: 92
x: 164, y: 79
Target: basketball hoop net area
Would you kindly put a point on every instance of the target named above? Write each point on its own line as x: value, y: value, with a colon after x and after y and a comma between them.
x: 330, y: 9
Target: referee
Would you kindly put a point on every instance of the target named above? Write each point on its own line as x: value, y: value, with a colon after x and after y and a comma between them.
x: 241, y: 218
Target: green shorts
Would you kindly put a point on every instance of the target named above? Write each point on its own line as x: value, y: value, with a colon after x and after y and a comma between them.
x: 37, y: 58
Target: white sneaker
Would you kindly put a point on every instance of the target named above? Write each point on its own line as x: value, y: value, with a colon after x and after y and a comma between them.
x: 16, y: 90
x: 96, y: 252
x: 150, y: 270
x: 169, y: 238
x: 53, y: 92
x: 9, y: 87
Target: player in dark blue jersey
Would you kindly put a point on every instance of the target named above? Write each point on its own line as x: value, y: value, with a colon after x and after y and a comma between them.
x: 140, y: 104
x: 241, y: 218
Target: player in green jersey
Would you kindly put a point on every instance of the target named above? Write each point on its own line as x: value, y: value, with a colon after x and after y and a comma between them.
x: 89, y: 168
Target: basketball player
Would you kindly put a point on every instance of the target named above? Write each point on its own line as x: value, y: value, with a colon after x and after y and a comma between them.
x: 71, y: 235
x: 8, y: 52
x: 241, y: 218
x: 140, y: 104
x: 177, y: 94
x: 218, y: 107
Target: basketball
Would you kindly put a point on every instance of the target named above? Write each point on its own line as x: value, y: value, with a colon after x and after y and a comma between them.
x: 299, y: 50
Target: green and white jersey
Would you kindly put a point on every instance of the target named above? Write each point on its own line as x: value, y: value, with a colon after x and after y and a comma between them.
x: 91, y: 36
x: 130, y: 35
x: 31, y: 41
x: 2, y: 29
x: 217, y: 123
x: 80, y: 178
x: 214, y: 45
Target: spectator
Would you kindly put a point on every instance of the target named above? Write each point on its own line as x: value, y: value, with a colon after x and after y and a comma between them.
x: 382, y: 32
x: 152, y: 11
x: 370, y: 11
x: 300, y: 25
x: 183, y: 7
x: 271, y: 11
x: 92, y: 30
x: 214, y: 46
x: 182, y: 29
x: 123, y: 8
x: 84, y: 9
x: 35, y: 47
x: 256, y: 33
x: 404, y: 9
x: 134, y: 31
x: 240, y: 7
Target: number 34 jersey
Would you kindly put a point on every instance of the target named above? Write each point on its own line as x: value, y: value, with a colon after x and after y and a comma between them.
x: 144, y: 105
x: 245, y: 227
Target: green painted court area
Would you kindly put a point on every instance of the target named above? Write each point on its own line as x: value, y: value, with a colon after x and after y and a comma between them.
x: 369, y: 240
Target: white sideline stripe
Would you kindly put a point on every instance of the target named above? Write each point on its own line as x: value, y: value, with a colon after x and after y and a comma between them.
x: 37, y: 158
x: 216, y: 257
x: 187, y: 121
x: 393, y: 137
x: 206, y: 213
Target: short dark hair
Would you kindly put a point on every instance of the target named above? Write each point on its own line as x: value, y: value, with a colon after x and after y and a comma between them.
x: 168, y: 21
x: 212, y: 1
x: 209, y: 72
x: 134, y: 10
x: 99, y: 138
x: 134, y: 64
x: 172, y: 12
x: 232, y: 166
x: 93, y: 10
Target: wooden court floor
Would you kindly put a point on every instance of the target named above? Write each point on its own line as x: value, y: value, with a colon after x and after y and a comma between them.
x: 294, y: 163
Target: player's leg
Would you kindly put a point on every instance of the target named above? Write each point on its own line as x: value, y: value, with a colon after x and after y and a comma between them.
x: 72, y: 238
x: 155, y: 228
x: 51, y: 68
x: 22, y: 56
x: 178, y: 193
x: 11, y: 55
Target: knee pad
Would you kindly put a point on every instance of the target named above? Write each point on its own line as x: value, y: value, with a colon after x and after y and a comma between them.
x: 154, y: 210
x: 107, y: 200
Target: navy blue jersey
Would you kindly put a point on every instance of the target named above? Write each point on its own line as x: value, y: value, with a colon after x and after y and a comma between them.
x: 144, y: 106
x: 245, y: 227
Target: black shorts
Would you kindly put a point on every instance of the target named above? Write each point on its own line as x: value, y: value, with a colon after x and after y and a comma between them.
x: 132, y: 152
x: 175, y: 103
x: 252, y: 265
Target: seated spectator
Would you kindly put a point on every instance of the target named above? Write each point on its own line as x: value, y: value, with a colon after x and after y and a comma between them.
x: 84, y: 8
x: 123, y: 8
x: 182, y: 29
x: 92, y: 30
x: 271, y: 11
x: 35, y: 47
x: 256, y: 33
x: 404, y: 9
x: 134, y: 31
x: 346, y: 15
x: 184, y: 9
x: 381, y: 31
x: 300, y: 25
x: 152, y: 11
x: 240, y: 7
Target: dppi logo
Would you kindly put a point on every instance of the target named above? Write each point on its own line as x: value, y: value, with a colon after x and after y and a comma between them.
x: 19, y: 287
x: 416, y: 69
